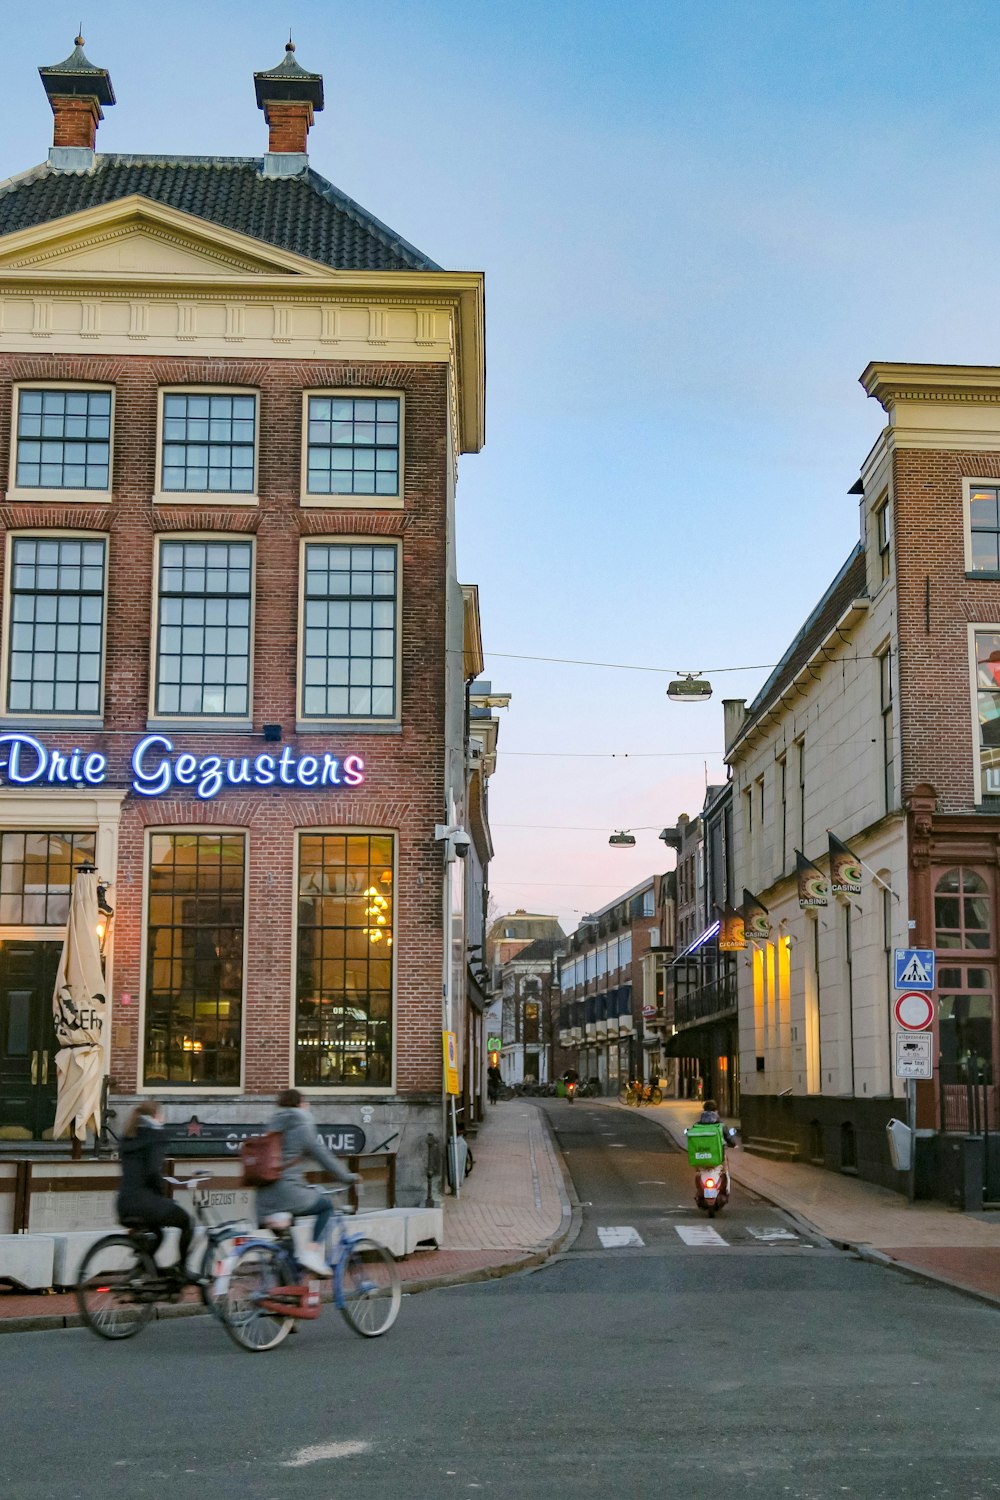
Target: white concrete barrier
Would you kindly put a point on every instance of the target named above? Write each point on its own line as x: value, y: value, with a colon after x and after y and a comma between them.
x: 26, y: 1260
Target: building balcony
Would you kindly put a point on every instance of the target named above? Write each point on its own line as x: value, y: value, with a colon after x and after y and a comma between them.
x: 626, y: 1025
x: 712, y: 999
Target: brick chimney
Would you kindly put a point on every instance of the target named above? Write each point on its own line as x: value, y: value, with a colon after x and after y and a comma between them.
x: 289, y: 97
x: 76, y: 91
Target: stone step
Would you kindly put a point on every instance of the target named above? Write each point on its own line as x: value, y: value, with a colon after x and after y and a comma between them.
x: 774, y: 1150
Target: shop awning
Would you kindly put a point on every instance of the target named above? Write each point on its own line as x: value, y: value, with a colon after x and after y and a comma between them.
x: 713, y: 1039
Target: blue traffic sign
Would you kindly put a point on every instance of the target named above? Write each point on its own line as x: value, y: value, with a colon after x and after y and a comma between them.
x: 914, y: 968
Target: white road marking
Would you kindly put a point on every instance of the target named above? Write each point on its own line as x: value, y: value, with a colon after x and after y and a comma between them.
x: 320, y: 1451
x: 617, y: 1236
x: 651, y: 1182
x: 699, y: 1234
x: 772, y: 1234
x: 616, y: 1145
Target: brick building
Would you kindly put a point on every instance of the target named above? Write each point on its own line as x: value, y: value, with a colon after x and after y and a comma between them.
x: 232, y: 404
x: 601, y: 980
x: 529, y: 984
x: 879, y: 725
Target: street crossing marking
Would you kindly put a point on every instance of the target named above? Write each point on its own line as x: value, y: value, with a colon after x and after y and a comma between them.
x: 617, y: 1236
x: 699, y: 1234
x: 772, y: 1234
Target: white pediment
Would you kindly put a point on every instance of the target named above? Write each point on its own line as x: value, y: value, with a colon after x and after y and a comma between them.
x: 135, y: 237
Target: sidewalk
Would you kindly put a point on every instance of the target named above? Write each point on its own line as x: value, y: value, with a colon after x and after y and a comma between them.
x: 514, y: 1212
x: 942, y: 1244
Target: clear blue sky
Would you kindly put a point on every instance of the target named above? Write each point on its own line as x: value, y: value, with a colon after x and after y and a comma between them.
x: 697, y: 224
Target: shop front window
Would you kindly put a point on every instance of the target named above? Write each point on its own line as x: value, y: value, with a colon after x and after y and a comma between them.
x: 36, y: 876
x: 194, y: 959
x: 964, y: 938
x: 343, y: 1025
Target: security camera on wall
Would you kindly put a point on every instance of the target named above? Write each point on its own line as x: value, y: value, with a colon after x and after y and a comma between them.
x: 461, y: 843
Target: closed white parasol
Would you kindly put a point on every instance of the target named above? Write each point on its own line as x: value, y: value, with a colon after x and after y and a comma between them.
x: 80, y: 1010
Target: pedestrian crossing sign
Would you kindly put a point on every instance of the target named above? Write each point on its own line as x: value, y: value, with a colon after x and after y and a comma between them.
x: 914, y: 968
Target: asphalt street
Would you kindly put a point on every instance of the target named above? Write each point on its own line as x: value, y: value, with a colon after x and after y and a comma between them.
x: 759, y: 1365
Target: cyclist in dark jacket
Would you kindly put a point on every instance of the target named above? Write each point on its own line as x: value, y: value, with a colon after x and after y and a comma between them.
x: 143, y: 1193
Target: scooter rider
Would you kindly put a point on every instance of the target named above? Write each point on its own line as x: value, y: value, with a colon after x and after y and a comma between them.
x: 710, y: 1113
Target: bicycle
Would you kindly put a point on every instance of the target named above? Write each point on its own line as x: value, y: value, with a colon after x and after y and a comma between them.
x: 261, y: 1291
x: 643, y: 1093
x: 119, y: 1283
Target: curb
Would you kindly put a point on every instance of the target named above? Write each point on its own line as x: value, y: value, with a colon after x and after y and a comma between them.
x: 859, y: 1248
x: 561, y: 1240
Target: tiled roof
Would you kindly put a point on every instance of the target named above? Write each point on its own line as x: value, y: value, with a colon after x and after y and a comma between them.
x: 540, y: 949
x: 304, y: 214
x: 849, y: 584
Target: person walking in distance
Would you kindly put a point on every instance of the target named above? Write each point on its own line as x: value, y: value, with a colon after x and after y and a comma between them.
x: 291, y: 1193
x: 494, y: 1078
x: 143, y: 1195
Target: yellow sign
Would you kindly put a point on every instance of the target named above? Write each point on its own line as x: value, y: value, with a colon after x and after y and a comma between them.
x: 450, y: 1063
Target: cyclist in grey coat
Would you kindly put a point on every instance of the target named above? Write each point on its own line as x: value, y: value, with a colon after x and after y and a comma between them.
x: 292, y: 1194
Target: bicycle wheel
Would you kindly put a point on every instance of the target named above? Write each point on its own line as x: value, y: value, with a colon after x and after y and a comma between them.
x: 112, y: 1288
x: 656, y: 1097
x: 258, y: 1271
x: 370, y: 1289
x: 630, y: 1097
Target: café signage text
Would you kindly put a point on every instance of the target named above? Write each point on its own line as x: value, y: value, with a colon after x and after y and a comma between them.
x: 156, y: 770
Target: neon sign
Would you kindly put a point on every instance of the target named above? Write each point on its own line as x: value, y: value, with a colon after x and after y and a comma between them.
x: 25, y: 761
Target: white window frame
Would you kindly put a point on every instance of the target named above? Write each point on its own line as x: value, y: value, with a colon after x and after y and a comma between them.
x: 93, y: 497
x: 304, y: 725
x: 58, y: 716
x: 189, y: 1090
x: 338, y: 1091
x: 194, y: 722
x: 977, y: 767
x: 246, y: 498
x: 968, y: 485
x: 352, y: 502
x: 882, y: 518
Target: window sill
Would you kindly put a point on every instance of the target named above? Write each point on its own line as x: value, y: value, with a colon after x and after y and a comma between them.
x: 198, y: 497
x: 37, y: 722
x: 988, y: 573
x: 201, y: 726
x: 351, y: 502
x: 75, y: 497
x: 345, y: 726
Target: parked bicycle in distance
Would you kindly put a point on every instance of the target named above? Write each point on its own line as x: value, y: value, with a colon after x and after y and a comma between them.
x: 261, y: 1290
x: 639, y: 1093
x: 119, y: 1283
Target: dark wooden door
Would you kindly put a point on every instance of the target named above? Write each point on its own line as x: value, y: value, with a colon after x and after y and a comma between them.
x: 27, y: 1039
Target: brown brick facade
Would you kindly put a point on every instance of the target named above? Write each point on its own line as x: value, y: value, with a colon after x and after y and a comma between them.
x: 404, y: 786
x: 937, y: 601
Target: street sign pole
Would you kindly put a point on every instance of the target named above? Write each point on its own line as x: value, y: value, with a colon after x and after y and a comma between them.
x: 911, y: 1120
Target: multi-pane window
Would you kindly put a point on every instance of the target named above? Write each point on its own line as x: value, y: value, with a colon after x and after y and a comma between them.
x: 964, y: 930
x: 203, y: 630
x: 343, y: 1024
x: 56, y: 625
x: 888, y: 732
x: 194, y: 958
x: 208, y: 443
x: 36, y: 876
x: 984, y: 524
x: 349, y: 648
x: 353, y: 445
x: 988, y: 708
x: 883, y: 537
x: 63, y: 439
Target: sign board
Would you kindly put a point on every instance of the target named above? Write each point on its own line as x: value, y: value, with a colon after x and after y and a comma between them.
x: 196, y: 1137
x: 914, y: 968
x: 493, y: 1044
x: 913, y: 1010
x: 914, y: 1055
x: 450, y: 1063
x: 649, y: 1011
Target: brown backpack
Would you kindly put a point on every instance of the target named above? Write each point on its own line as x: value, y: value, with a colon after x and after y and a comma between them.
x: 261, y: 1156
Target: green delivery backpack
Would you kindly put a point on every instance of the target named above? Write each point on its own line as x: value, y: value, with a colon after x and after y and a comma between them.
x: 705, y: 1145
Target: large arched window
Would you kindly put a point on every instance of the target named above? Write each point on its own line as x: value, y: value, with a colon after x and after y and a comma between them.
x: 965, y: 941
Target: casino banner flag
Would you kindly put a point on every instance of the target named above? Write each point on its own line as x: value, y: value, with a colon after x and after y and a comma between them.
x: 756, y: 917
x: 732, y: 937
x: 845, y: 869
x: 813, y: 884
